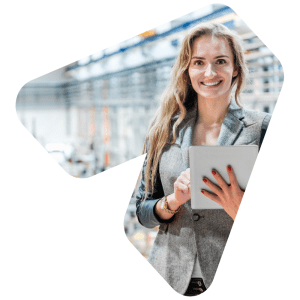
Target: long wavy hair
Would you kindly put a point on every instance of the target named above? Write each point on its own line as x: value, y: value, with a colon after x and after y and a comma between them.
x: 179, y: 95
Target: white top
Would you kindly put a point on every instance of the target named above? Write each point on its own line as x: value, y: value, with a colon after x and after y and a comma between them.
x: 197, y: 270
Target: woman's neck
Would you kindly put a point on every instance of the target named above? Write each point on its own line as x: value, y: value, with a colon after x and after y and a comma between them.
x: 212, y: 112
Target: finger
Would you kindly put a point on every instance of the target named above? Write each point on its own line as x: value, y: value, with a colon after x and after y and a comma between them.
x: 182, y: 187
x: 185, y: 174
x: 189, y: 187
x: 188, y: 173
x: 212, y: 186
x: 222, y: 183
x: 183, y: 180
x: 232, y: 177
x: 211, y: 196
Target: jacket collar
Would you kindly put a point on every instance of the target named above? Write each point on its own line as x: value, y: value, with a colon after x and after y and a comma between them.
x: 230, y: 129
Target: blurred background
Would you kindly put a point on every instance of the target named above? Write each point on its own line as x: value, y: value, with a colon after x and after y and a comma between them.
x: 93, y: 114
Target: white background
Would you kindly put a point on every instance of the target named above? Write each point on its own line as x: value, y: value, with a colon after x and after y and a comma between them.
x: 62, y: 237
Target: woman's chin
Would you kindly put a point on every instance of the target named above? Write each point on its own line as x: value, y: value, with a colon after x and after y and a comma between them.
x: 213, y: 95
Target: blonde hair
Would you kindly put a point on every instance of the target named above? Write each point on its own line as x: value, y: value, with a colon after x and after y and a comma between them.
x: 180, y: 96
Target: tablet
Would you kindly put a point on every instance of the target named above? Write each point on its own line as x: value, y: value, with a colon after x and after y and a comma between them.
x: 203, y: 159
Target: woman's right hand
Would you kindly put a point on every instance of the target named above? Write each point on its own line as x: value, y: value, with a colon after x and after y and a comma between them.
x: 182, y: 193
x: 182, y: 190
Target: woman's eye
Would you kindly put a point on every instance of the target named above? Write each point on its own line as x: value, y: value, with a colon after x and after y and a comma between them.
x: 199, y: 63
x: 221, y: 61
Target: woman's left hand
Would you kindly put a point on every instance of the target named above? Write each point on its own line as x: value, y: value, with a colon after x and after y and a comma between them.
x: 228, y: 196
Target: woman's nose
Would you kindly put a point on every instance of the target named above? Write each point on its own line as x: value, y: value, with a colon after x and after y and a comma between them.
x: 210, y: 72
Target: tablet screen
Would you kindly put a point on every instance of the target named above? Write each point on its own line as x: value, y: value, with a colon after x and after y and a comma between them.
x: 203, y: 159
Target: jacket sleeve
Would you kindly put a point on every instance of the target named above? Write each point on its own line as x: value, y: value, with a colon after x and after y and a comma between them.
x: 145, y: 209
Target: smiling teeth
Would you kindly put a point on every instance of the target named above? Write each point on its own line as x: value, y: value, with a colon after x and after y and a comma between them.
x: 212, y: 83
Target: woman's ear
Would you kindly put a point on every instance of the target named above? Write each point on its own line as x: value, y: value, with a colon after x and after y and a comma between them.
x: 235, y: 73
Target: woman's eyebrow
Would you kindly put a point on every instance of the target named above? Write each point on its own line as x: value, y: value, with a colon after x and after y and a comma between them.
x: 221, y: 56
x: 199, y: 57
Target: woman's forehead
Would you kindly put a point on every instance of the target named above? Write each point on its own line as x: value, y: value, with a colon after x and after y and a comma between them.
x: 211, y: 46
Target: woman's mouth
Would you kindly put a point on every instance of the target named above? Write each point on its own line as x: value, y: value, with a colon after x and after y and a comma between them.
x: 211, y: 83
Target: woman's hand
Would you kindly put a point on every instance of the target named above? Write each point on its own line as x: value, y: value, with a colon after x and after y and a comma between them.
x: 182, y: 188
x: 228, y: 196
x: 182, y: 193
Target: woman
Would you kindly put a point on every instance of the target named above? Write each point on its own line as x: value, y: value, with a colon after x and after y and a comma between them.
x: 196, y: 109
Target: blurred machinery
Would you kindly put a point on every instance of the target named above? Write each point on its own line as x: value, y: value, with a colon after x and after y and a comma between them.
x: 109, y: 98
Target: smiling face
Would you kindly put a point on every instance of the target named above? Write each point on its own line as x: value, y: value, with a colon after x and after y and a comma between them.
x: 212, y: 68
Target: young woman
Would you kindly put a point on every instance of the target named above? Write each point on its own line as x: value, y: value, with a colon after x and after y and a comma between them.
x: 196, y: 109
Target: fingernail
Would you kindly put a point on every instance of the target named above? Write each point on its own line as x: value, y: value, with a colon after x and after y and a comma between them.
x: 229, y: 168
x: 202, y: 191
x: 214, y: 172
x: 205, y: 180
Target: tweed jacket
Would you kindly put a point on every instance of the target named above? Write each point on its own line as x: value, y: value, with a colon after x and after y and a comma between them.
x: 193, y: 233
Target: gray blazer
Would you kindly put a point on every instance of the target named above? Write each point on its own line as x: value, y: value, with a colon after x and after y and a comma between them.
x: 193, y: 232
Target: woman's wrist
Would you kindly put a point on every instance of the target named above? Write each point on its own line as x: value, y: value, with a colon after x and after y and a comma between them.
x: 172, y: 205
x: 172, y: 202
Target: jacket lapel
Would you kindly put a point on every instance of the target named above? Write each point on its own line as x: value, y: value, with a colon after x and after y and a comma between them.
x: 232, y: 125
